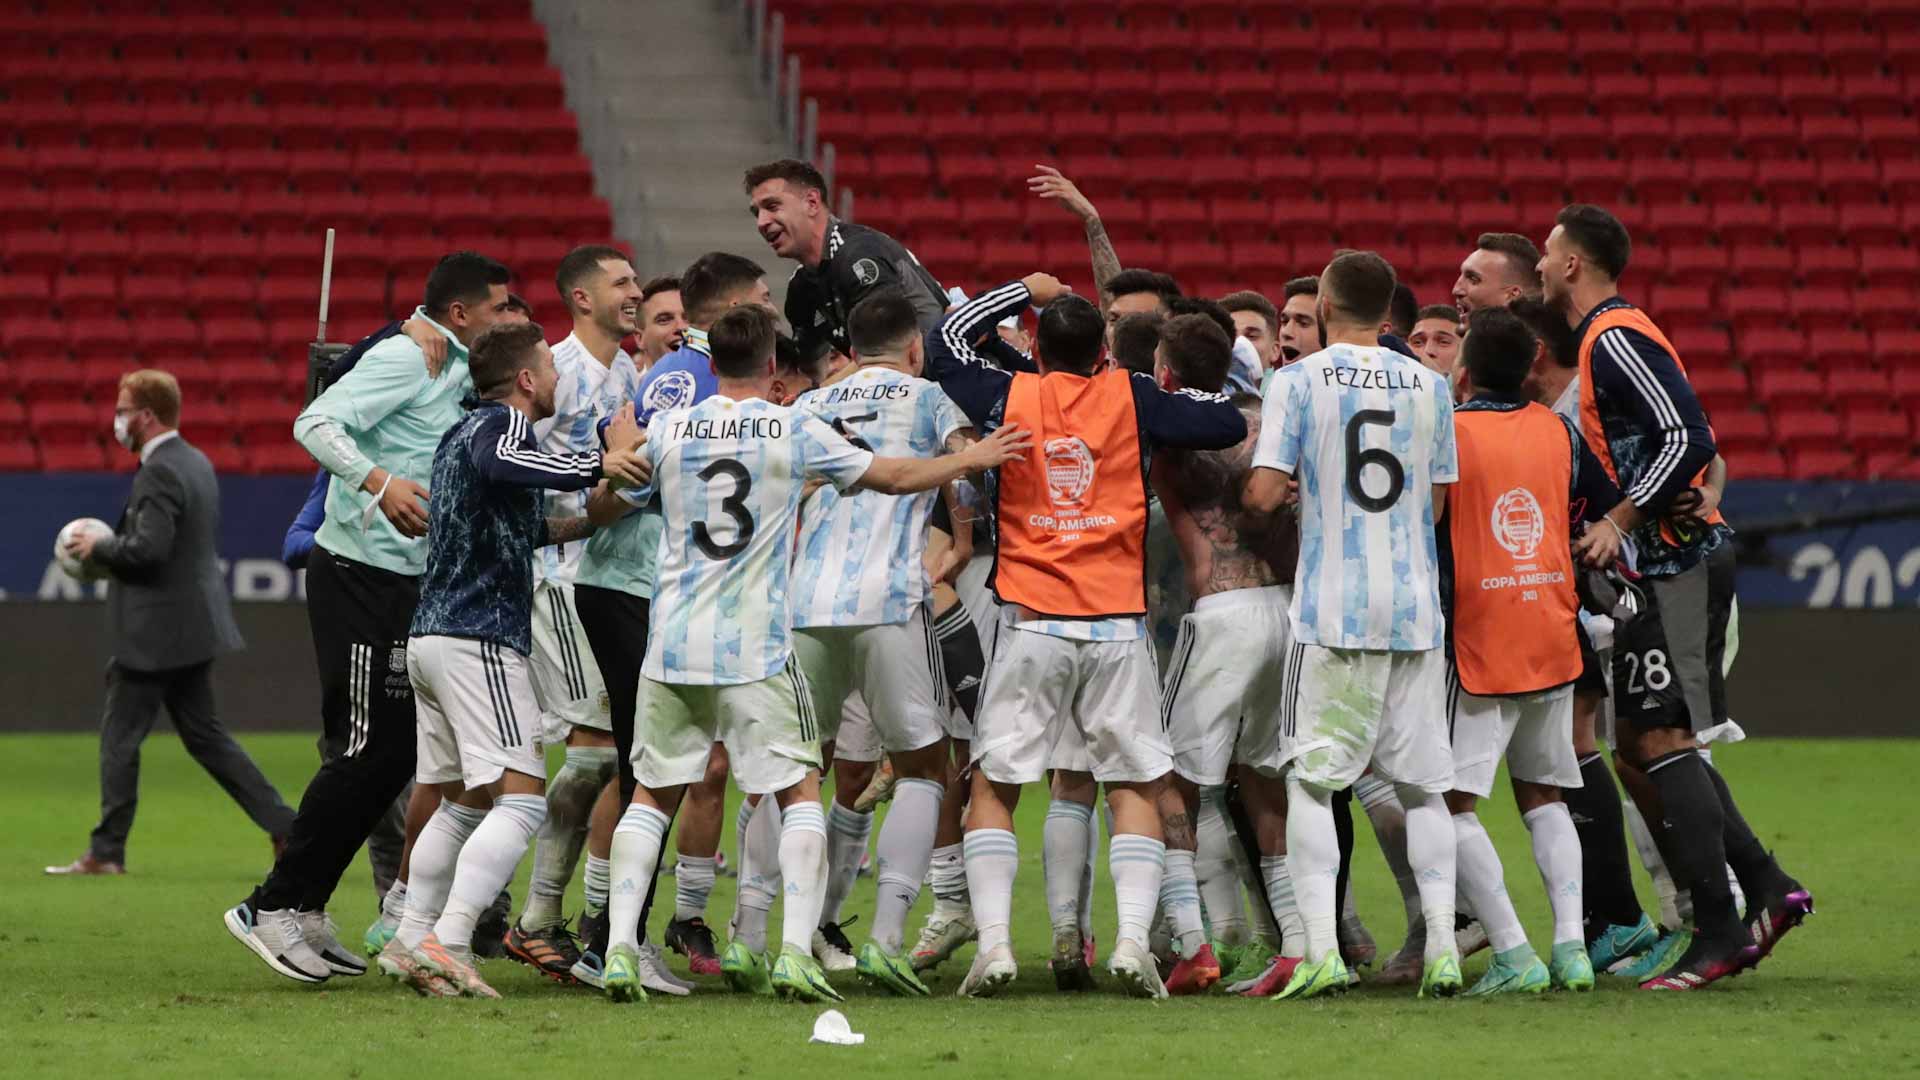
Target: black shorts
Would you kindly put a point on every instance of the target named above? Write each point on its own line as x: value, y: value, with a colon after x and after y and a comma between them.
x: 1593, y: 676
x: 1669, y: 660
x: 360, y: 616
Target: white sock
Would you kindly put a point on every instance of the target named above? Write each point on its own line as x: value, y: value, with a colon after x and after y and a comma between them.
x: 1215, y: 870
x: 947, y: 877
x: 1389, y: 823
x: 1137, y: 864
x: 1430, y: 849
x: 1663, y: 885
x: 993, y: 857
x: 430, y: 874
x: 1483, y: 881
x: 742, y: 818
x: 1066, y: 846
x: 847, y: 832
x: 1286, y: 910
x: 570, y: 799
x: 486, y: 864
x: 1313, y: 862
x: 1180, y: 899
x: 635, y: 858
x: 692, y: 883
x: 598, y: 882
x: 803, y: 868
x: 1556, y: 851
x: 759, y: 880
x: 902, y: 854
x: 393, y: 906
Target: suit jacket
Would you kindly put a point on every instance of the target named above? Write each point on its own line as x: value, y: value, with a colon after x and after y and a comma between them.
x: 168, y: 606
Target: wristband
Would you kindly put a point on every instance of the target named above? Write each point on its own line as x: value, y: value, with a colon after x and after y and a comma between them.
x: 366, y: 516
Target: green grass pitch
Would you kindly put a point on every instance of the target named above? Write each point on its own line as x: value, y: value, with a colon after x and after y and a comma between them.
x: 135, y: 976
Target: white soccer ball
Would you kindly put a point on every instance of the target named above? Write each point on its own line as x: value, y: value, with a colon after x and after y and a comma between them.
x: 74, y: 568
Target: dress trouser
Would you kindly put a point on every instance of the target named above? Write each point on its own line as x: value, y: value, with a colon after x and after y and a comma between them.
x: 134, y: 701
x: 360, y: 616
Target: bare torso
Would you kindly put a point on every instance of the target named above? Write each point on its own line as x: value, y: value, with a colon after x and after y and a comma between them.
x: 1223, y: 546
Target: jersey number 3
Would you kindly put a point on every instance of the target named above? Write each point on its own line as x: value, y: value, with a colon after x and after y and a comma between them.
x: 734, y: 505
x: 1358, y: 459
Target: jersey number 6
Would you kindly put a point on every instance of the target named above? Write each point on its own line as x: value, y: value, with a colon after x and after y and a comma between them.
x: 734, y: 506
x: 1358, y: 459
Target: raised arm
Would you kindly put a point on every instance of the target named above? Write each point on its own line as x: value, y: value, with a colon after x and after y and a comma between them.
x: 1050, y: 184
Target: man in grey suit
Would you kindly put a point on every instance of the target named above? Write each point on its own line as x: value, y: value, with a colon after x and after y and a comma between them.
x: 170, y: 616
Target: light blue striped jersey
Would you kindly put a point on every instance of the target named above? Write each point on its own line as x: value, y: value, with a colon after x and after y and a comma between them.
x: 860, y: 553
x: 586, y: 392
x: 729, y: 476
x: 1367, y: 432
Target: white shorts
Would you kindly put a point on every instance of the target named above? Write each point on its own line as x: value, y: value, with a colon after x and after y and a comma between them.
x: 1534, y: 732
x: 1042, y: 689
x: 767, y: 727
x: 896, y: 670
x: 566, y: 681
x: 1351, y: 708
x: 857, y: 740
x: 475, y: 712
x: 1224, y: 684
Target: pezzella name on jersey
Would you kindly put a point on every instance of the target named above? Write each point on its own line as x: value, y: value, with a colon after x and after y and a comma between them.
x: 738, y: 427
x: 1372, y: 378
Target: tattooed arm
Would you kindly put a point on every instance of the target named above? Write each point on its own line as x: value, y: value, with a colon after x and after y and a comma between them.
x: 566, y: 530
x: 1106, y: 263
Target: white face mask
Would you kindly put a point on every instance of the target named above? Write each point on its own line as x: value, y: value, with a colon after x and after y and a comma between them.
x: 120, y: 433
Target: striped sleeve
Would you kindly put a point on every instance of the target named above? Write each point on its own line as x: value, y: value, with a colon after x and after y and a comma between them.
x: 1635, y: 370
x: 505, y: 453
x: 962, y: 370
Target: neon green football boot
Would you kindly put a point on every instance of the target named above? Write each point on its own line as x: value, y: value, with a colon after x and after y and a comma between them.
x: 1442, y: 977
x: 1670, y: 948
x: 1329, y: 976
x: 890, y: 970
x: 621, y: 977
x: 1516, y: 971
x: 797, y: 977
x: 745, y: 970
x: 1570, y: 968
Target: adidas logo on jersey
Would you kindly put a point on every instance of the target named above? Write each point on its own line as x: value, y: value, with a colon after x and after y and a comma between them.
x: 967, y: 683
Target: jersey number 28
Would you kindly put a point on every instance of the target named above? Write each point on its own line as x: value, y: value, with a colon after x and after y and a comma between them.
x: 1358, y: 459
x: 734, y: 505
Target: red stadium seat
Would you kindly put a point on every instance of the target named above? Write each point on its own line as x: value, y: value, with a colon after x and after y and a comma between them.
x: 1789, y: 388
x: 1860, y: 387
x: 1801, y: 428
x: 1878, y: 428
x: 1822, y: 464
x: 1720, y: 389
x: 1741, y: 430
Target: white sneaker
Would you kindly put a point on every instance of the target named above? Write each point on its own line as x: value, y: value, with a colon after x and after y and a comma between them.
x: 655, y: 975
x: 992, y: 970
x: 320, y: 934
x: 834, y: 952
x: 1133, y: 965
x: 943, y: 935
x: 274, y: 936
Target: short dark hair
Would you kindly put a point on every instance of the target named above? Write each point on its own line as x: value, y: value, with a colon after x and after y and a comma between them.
x: 742, y: 341
x: 1134, y: 339
x: 883, y: 322
x: 795, y: 172
x: 516, y: 302
x: 1599, y: 235
x: 463, y: 277
x: 501, y: 352
x: 1439, y: 311
x: 1550, y: 326
x: 1248, y: 300
x: 786, y: 353
x: 663, y: 283
x: 580, y: 265
x: 1498, y: 351
x: 1523, y: 259
x: 1070, y: 335
x: 1198, y: 351
x: 713, y: 277
x: 1404, y: 310
x: 1361, y: 285
x: 1199, y: 305
x: 1128, y: 282
x: 1300, y: 286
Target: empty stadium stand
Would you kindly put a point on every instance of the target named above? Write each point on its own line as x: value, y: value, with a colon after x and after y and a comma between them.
x: 1765, y: 153
x: 166, y: 178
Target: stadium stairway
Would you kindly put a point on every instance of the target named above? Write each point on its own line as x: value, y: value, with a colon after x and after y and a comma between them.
x: 670, y: 116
